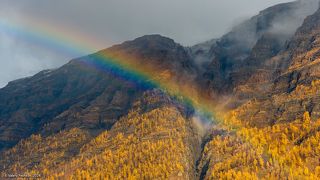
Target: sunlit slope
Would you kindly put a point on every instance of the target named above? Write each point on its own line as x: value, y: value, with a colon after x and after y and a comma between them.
x: 278, y: 132
x: 158, y: 142
x: 286, y: 150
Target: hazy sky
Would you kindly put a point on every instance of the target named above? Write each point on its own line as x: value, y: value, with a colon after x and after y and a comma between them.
x: 40, y: 34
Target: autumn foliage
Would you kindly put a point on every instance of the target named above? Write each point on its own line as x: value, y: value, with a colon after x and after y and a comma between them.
x: 282, y: 151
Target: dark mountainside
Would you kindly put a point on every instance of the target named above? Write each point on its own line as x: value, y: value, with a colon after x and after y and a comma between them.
x: 80, y: 122
x: 77, y: 95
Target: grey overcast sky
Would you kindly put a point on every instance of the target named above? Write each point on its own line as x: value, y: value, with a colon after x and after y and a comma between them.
x: 108, y: 22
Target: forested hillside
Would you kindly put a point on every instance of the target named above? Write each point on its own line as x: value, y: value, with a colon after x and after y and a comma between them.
x: 243, y: 106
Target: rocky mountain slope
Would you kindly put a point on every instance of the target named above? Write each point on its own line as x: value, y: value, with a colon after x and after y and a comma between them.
x: 79, y: 95
x: 241, y: 51
x: 293, y: 88
x: 155, y: 139
x: 93, y: 119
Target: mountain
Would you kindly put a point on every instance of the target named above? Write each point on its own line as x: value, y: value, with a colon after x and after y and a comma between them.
x: 200, y: 53
x: 164, y: 141
x: 274, y: 111
x: 294, y: 87
x: 238, y: 49
x: 78, y: 95
x: 243, y: 106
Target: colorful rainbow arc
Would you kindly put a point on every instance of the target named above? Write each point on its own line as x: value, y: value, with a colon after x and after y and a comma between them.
x: 127, y: 67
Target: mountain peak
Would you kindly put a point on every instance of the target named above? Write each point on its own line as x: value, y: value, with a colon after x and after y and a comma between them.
x: 153, y: 37
x: 154, y: 41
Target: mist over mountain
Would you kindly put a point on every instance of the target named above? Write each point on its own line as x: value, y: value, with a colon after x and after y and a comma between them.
x: 245, y: 105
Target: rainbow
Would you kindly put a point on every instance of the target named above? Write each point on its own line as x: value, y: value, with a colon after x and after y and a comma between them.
x: 123, y: 66
x: 148, y: 76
